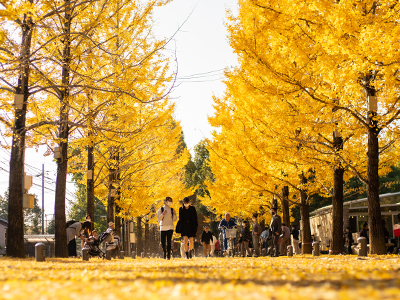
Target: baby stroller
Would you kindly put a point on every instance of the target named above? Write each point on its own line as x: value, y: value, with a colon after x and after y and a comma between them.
x: 111, y: 241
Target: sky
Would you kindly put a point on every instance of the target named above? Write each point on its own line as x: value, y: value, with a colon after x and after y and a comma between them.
x: 202, y: 50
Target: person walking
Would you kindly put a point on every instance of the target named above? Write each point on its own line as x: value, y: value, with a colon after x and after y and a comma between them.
x: 245, y: 238
x: 256, y: 234
x: 206, y: 240
x: 166, y: 216
x: 227, y: 223
x: 285, y: 235
x: 275, y: 230
x: 188, y: 225
x: 295, y: 240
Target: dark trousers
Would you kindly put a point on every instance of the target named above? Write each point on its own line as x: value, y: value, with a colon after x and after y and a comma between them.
x: 275, y: 244
x: 166, y: 237
x: 72, y: 248
x: 349, y: 251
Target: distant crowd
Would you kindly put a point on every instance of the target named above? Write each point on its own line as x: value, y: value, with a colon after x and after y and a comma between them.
x: 233, y: 239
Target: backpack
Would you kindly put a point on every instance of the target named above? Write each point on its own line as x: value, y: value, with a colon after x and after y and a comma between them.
x: 69, y: 223
x: 172, y: 211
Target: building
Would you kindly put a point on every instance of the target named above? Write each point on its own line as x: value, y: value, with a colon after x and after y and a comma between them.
x: 31, y: 240
x: 355, y: 213
x: 3, y: 234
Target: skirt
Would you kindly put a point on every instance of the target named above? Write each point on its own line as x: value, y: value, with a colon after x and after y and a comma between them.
x: 72, y: 248
x: 188, y: 230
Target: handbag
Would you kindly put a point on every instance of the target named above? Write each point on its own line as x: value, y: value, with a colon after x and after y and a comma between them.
x: 178, y: 227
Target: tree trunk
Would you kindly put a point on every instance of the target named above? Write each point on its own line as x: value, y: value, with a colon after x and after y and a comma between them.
x: 153, y: 239
x: 139, y: 243
x: 146, y: 237
x: 118, y: 220
x: 262, y: 224
x: 337, y: 211
x: 306, y: 245
x: 110, y: 206
x: 15, y: 231
x: 285, y: 205
x: 90, y: 182
x: 376, y: 234
x: 62, y: 163
x: 337, y: 200
x: 111, y: 187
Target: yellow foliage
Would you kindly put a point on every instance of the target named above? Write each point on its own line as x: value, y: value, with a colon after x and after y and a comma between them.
x: 297, y: 278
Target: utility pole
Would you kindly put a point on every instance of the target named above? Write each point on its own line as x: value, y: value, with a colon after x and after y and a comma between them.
x: 42, y: 198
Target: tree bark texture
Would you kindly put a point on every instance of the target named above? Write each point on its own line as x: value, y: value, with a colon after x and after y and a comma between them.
x: 285, y: 205
x: 262, y: 224
x: 146, y: 237
x: 337, y: 243
x: 90, y: 183
x: 118, y: 220
x: 153, y: 239
x: 111, y: 178
x: 139, y: 242
x: 376, y: 234
x: 15, y: 230
x: 337, y: 211
x: 62, y: 163
x: 306, y: 245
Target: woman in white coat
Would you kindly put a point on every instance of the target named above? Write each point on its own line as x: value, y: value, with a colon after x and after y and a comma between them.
x: 166, y: 216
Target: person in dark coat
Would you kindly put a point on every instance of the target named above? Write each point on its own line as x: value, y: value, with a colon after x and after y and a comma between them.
x: 245, y: 238
x: 364, y: 232
x: 276, y: 224
x: 348, y: 240
x: 206, y: 240
x: 188, y: 225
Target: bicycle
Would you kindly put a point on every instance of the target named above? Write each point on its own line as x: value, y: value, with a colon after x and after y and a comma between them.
x: 230, y: 234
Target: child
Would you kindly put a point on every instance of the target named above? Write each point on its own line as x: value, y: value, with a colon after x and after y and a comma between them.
x: 206, y: 238
x: 245, y: 238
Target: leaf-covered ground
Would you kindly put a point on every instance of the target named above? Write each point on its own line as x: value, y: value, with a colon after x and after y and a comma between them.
x: 302, y: 277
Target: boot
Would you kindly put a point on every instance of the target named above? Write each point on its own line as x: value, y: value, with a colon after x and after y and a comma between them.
x: 187, y: 255
x: 190, y: 253
x: 165, y: 255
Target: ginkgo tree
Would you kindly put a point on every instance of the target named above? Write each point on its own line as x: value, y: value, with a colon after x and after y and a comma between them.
x: 308, y: 69
x: 92, y: 64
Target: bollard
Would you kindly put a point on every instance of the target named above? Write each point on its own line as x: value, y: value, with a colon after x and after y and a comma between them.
x: 122, y: 254
x: 264, y: 252
x: 315, y: 251
x: 362, y: 246
x: 148, y: 255
x: 40, y: 249
x: 142, y: 254
x: 108, y: 254
x: 85, y: 254
x: 153, y: 255
x: 133, y: 254
x: 158, y: 255
x: 290, y: 250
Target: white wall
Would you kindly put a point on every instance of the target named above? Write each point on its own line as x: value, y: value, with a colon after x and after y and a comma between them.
x: 2, y: 236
